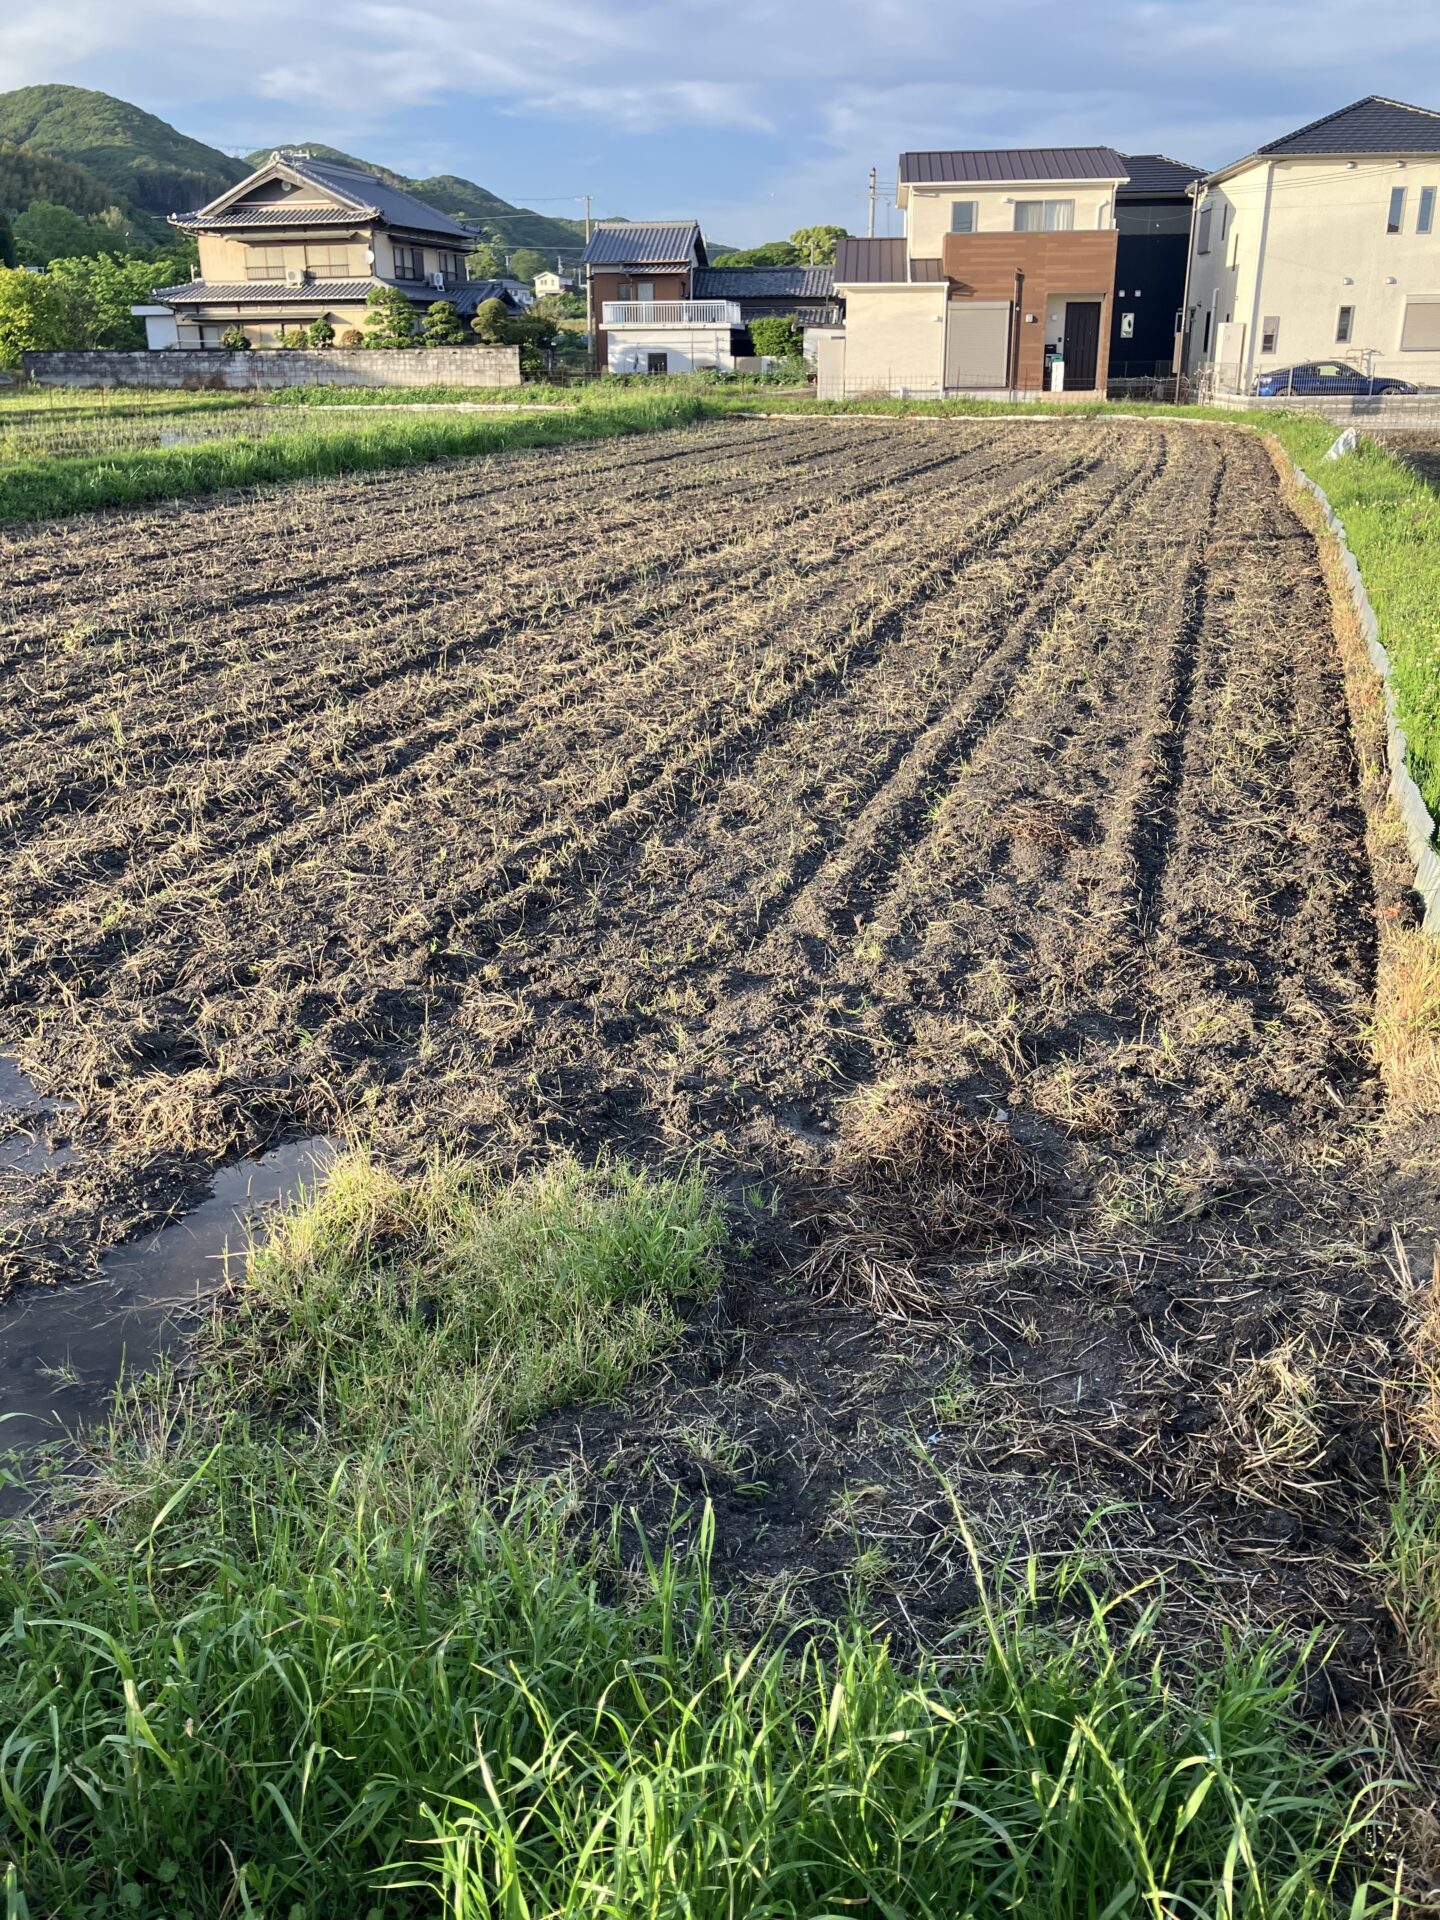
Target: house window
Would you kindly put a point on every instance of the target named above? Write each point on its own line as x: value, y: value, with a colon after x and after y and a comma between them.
x: 409, y: 263
x: 330, y: 263
x: 622, y: 290
x: 962, y: 216
x: 1202, y: 230
x: 1270, y: 334
x: 1395, y: 220
x: 644, y: 289
x: 1421, y: 331
x: 1344, y: 326
x: 266, y: 263
x: 1205, y: 343
x: 452, y: 265
x: 1044, y: 216
x: 1425, y: 218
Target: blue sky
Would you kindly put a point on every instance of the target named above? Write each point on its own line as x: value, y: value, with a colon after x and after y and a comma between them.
x: 754, y: 118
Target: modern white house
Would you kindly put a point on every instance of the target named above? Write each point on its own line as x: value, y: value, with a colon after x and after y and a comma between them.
x: 1323, y: 244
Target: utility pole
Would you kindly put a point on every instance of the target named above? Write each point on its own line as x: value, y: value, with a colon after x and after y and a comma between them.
x: 587, y: 219
x: 871, y: 229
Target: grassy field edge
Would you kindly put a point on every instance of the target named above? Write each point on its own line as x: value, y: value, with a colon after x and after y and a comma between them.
x: 297, y: 1652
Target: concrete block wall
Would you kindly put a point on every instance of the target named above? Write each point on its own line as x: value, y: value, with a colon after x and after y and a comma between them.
x: 205, y: 367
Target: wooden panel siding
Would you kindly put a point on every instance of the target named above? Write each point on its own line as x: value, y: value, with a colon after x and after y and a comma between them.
x: 983, y: 266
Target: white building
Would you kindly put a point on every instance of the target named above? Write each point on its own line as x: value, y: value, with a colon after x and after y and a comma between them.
x: 1324, y: 244
x: 669, y: 336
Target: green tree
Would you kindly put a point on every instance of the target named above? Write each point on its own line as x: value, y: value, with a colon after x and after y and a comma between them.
x: 561, y: 306
x: 817, y: 244
x: 46, y: 232
x: 7, y: 241
x: 483, y: 262
x: 774, y: 253
x: 101, y: 290
x: 235, y: 340
x: 35, y: 315
x: 390, y: 322
x: 321, y: 332
x: 491, y: 324
x: 778, y: 336
x: 442, y: 325
x: 526, y: 262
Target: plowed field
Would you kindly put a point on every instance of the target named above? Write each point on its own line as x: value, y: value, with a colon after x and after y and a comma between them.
x: 952, y: 830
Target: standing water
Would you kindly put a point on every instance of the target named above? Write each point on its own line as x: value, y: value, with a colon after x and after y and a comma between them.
x: 63, y: 1349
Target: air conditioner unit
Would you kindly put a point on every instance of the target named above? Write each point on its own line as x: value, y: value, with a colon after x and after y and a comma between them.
x: 437, y: 279
x: 297, y: 276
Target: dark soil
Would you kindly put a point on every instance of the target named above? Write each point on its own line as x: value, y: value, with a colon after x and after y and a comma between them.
x: 953, y: 831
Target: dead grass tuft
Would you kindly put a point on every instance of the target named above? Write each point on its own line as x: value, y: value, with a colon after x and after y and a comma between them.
x: 951, y: 1178
x: 1271, y: 1443
x: 1406, y: 1030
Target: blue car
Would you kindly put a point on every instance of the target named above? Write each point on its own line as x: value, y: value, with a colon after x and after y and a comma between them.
x: 1326, y: 376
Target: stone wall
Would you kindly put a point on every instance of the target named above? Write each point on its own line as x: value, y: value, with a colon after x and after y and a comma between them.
x: 210, y: 368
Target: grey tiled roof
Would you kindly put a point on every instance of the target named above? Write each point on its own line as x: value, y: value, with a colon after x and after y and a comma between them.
x: 287, y: 214
x: 1152, y: 173
x: 264, y: 293
x: 645, y: 243
x: 366, y: 193
x: 229, y: 293
x: 763, y: 283
x: 1371, y: 125
x: 987, y: 164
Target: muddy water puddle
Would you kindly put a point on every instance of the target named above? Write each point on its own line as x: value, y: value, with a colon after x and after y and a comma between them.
x: 62, y: 1349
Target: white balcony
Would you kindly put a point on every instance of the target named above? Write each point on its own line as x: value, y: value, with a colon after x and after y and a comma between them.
x: 669, y: 313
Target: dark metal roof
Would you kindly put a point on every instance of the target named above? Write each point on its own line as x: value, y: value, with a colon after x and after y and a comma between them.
x: 881, y: 263
x: 984, y: 165
x: 645, y: 243
x: 1371, y: 125
x: 286, y: 214
x: 1156, y: 173
x: 763, y: 283
x: 365, y: 193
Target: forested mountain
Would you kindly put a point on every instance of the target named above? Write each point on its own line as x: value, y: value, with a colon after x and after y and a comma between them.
x: 139, y: 157
x: 509, y: 226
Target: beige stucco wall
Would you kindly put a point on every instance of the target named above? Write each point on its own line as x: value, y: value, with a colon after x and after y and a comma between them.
x: 928, y: 214
x: 224, y: 259
x: 1325, y: 228
x: 895, y: 338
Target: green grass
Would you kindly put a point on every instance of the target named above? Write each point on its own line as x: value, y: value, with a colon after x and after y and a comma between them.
x: 299, y: 1655
x: 40, y: 488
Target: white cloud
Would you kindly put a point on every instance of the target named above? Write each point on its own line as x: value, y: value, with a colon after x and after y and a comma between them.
x: 812, y: 92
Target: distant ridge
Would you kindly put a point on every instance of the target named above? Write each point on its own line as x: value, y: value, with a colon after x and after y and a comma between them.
x: 140, y: 158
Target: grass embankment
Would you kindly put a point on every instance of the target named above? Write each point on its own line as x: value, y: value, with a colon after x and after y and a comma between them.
x: 297, y: 1657
x: 38, y: 489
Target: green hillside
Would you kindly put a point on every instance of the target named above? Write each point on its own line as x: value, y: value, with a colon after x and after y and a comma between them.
x: 510, y: 226
x: 137, y: 156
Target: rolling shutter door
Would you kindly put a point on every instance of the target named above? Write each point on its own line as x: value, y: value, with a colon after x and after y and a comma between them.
x: 977, y: 343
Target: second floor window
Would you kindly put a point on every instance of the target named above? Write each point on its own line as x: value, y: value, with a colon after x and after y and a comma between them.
x: 1344, y: 326
x: 1425, y: 216
x: 267, y: 263
x: 1044, y: 216
x: 328, y: 263
x: 962, y: 216
x: 409, y: 263
x: 452, y: 265
x: 1395, y: 219
x: 1202, y: 230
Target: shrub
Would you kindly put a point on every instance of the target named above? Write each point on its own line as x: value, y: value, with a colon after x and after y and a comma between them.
x: 235, y: 340
x: 491, y: 323
x: 778, y: 337
x: 293, y: 337
x: 350, y: 337
x: 322, y: 332
x: 442, y: 325
x: 390, y: 323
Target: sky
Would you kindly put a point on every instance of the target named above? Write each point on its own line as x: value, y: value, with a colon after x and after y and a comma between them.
x: 753, y: 118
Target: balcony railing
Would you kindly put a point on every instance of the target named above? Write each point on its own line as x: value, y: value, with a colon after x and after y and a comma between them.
x: 670, y: 313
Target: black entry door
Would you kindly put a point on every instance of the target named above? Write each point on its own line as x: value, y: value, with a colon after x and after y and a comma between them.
x: 1082, y: 342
